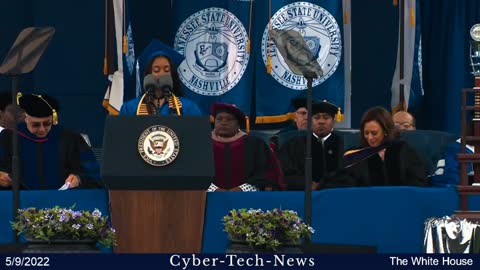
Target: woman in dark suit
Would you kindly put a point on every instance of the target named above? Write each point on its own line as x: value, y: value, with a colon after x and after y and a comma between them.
x: 383, y: 160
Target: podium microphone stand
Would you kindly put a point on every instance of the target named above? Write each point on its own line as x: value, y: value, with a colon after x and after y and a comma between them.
x: 309, y: 76
x: 21, y: 59
x: 301, y: 61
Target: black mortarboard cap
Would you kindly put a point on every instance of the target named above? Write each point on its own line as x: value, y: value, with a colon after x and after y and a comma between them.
x: 324, y: 107
x: 5, y: 99
x: 299, y: 102
x: 39, y: 105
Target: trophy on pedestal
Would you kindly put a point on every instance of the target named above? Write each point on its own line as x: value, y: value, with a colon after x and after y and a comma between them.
x: 466, y: 187
x: 475, y: 63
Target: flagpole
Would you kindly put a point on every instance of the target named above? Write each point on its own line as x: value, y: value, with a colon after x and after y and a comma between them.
x: 347, y: 33
x: 402, y: 56
x: 401, y: 105
x: 15, y: 150
x: 308, y: 152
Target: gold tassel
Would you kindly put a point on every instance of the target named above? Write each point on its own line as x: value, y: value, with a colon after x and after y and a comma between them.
x: 248, y: 46
x: 412, y: 17
x: 269, y: 64
x: 105, y: 66
x: 177, y: 107
x: 247, y: 124
x: 125, y: 44
x: 19, y: 95
x: 54, y: 112
x: 395, y: 3
x: 55, y: 117
x: 339, y: 116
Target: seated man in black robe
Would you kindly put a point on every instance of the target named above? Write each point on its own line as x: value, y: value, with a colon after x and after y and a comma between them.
x: 50, y: 155
x: 327, y: 148
x: 242, y: 162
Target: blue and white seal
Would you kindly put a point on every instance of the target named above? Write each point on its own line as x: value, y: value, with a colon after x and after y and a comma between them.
x: 213, y: 42
x: 321, y: 33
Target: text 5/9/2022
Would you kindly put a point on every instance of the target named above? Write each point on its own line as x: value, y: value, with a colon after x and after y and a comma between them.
x: 36, y: 261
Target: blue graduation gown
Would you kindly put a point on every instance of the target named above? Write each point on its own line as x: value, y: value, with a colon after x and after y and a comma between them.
x: 47, y: 164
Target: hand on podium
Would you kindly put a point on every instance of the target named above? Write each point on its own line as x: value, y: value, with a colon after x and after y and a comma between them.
x: 73, y: 180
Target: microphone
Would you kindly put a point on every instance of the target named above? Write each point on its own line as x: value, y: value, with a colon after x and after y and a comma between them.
x: 162, y: 82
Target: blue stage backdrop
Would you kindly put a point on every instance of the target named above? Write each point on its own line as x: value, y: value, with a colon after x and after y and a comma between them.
x: 321, y: 25
x: 446, y: 60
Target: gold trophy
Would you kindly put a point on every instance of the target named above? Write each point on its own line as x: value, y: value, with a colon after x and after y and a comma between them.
x: 464, y: 188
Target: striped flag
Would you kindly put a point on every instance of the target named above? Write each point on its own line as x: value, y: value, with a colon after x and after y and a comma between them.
x: 407, y: 89
x: 120, y: 47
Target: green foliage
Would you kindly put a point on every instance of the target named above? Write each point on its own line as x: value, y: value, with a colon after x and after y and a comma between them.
x: 64, y: 223
x: 266, y: 230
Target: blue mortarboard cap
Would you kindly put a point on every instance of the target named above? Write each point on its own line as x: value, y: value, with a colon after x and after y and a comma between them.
x: 154, y: 49
x: 158, y: 48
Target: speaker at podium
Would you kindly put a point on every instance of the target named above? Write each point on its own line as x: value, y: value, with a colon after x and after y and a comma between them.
x: 157, y: 152
x: 157, y: 170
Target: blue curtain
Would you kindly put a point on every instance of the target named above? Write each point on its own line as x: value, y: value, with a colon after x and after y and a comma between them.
x: 446, y: 66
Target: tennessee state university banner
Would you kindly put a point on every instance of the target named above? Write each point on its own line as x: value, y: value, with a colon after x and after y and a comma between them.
x: 320, y: 23
x: 213, y: 36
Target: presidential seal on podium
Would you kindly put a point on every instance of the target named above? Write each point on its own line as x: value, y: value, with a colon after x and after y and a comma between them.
x: 158, y: 145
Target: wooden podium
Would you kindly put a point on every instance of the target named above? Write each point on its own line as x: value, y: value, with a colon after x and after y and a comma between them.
x: 158, y: 221
x: 157, y: 209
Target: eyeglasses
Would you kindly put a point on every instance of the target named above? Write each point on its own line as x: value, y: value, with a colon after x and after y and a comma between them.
x: 301, y: 113
x: 45, y: 124
x: 404, y: 125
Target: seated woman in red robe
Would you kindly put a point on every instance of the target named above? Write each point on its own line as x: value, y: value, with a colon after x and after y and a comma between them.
x: 242, y: 162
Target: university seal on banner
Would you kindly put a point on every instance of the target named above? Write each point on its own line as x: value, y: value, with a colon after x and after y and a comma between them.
x: 213, y: 42
x: 158, y: 145
x: 321, y: 33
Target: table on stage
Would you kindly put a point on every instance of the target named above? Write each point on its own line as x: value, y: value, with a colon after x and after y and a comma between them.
x: 389, y: 218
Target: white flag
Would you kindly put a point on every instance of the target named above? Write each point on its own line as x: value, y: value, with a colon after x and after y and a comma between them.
x: 113, y: 99
x: 408, y: 56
